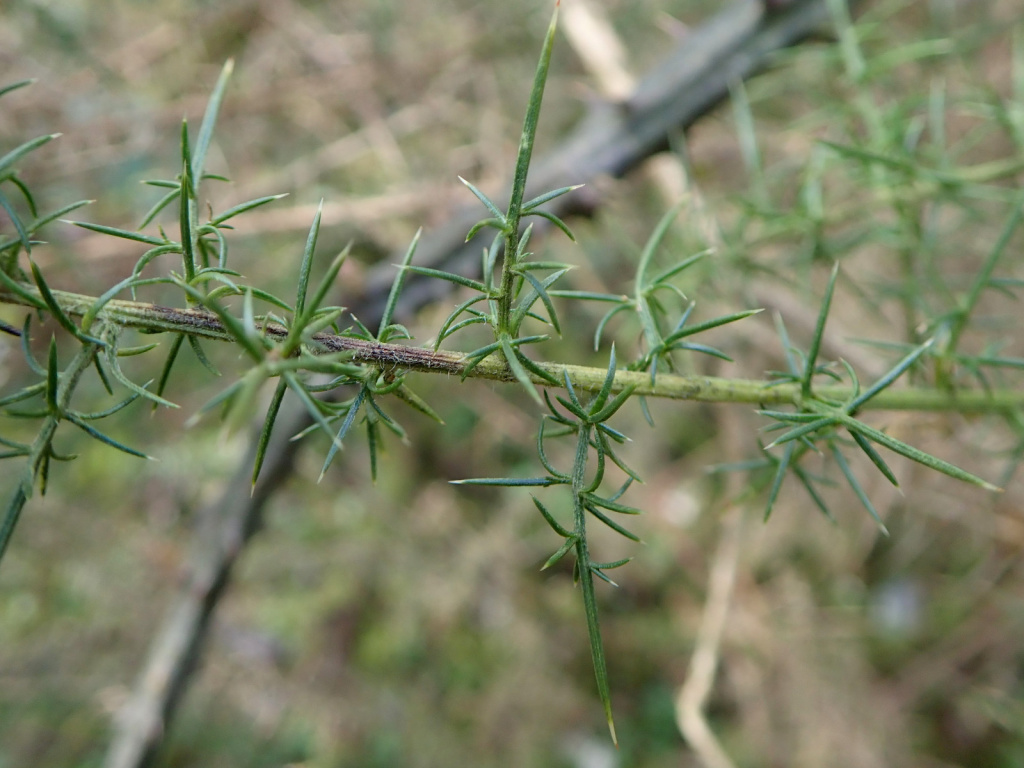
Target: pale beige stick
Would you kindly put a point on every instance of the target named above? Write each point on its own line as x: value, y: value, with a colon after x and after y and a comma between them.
x: 603, y: 55
x: 593, y: 38
x: 700, y: 677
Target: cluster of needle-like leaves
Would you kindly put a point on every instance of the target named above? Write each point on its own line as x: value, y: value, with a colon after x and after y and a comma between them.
x: 279, y: 344
x: 917, y: 179
x: 510, y: 295
x: 819, y: 421
x: 588, y: 425
x: 372, y: 382
x: 47, y: 401
x: 663, y: 328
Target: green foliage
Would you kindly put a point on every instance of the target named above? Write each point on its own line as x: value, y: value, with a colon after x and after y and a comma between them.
x: 307, y: 348
x: 818, y: 417
x: 588, y: 425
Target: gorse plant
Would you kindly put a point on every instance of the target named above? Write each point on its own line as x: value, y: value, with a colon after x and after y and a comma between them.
x: 307, y: 347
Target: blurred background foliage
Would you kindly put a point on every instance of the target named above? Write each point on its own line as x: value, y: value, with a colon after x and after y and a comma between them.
x: 407, y: 623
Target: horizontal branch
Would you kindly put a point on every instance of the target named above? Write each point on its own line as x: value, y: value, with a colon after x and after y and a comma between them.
x: 153, y: 318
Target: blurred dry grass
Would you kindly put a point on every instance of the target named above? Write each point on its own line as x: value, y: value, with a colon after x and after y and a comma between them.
x: 406, y: 624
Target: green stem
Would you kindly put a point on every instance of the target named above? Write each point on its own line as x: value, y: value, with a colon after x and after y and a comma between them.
x: 579, y: 488
x: 515, y: 203
x: 153, y: 318
x: 508, y: 276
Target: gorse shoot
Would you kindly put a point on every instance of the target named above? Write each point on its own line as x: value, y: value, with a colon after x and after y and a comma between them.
x: 306, y: 346
x: 588, y: 425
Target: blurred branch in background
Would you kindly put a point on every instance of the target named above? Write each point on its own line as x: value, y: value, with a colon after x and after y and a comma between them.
x: 595, y: 41
x: 614, y: 138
